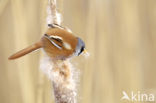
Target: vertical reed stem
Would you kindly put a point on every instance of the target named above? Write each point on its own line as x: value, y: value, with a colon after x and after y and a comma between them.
x: 61, y: 73
x: 64, y: 82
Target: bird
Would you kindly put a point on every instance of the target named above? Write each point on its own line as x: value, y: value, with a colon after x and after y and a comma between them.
x: 58, y: 42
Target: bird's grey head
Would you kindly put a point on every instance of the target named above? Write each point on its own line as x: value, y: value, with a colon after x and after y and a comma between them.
x: 80, y: 47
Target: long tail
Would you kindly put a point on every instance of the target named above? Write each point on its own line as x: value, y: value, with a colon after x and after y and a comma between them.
x: 26, y: 51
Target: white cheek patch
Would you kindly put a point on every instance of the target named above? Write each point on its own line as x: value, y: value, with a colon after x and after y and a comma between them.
x: 66, y: 45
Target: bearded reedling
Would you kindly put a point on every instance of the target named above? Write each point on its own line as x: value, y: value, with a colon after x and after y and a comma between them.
x: 58, y: 43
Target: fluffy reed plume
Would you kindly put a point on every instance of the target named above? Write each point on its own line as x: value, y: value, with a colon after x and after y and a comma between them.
x: 60, y: 72
x: 63, y: 77
x: 53, y: 15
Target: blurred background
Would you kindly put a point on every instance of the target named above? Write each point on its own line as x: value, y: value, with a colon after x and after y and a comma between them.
x: 120, y: 36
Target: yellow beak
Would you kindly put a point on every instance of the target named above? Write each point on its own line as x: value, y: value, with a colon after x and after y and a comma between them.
x: 85, y: 53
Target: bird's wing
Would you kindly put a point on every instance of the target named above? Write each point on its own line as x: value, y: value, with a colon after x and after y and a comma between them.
x: 55, y: 40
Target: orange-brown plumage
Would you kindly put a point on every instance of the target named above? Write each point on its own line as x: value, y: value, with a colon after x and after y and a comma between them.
x: 55, y: 52
x: 58, y: 43
x: 26, y: 51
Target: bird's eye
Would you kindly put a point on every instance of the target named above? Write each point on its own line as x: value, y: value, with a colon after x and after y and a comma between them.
x: 82, y: 49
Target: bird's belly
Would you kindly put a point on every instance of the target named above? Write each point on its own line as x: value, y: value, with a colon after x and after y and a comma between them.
x: 56, y: 53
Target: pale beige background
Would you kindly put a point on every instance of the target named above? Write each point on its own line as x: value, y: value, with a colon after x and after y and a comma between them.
x: 119, y: 34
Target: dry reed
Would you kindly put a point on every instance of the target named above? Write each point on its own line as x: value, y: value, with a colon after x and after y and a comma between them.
x: 60, y: 72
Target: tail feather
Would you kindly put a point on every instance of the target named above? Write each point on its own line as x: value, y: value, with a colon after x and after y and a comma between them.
x: 26, y: 51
